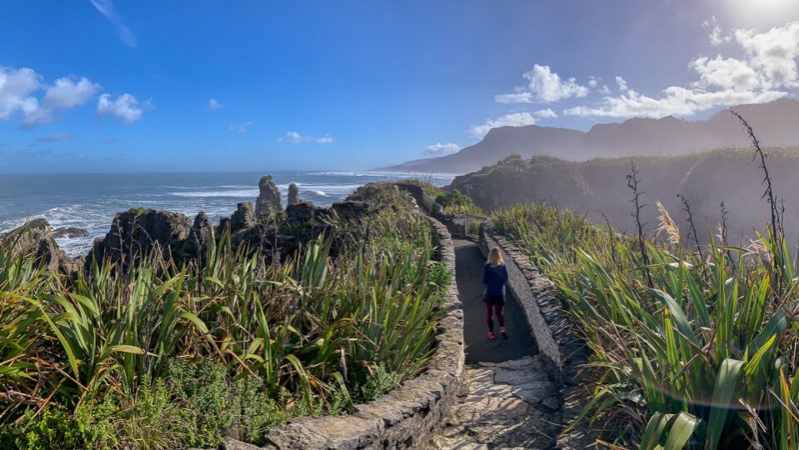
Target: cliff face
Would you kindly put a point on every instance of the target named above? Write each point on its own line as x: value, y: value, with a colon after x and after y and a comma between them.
x: 774, y: 124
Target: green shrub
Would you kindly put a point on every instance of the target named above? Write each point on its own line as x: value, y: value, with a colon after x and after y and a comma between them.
x: 381, y: 195
x: 53, y: 427
x: 214, y: 405
x: 454, y: 202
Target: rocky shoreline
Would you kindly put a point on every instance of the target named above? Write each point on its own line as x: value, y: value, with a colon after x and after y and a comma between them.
x: 178, y: 239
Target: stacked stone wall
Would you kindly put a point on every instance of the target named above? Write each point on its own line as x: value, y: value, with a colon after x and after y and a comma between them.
x: 556, y: 337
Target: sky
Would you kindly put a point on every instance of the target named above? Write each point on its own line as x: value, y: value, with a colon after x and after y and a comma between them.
x: 143, y: 85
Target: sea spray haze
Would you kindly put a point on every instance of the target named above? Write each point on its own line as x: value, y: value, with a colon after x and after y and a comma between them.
x: 90, y: 201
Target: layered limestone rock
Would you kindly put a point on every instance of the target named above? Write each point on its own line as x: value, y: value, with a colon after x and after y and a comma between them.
x: 243, y: 218
x: 268, y: 201
x: 200, y: 234
x: 29, y: 237
x: 135, y: 232
x: 351, y: 209
x: 294, y: 195
x: 303, y: 212
x: 35, y: 237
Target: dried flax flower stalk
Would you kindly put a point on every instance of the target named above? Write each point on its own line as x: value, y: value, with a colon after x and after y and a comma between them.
x: 667, y: 225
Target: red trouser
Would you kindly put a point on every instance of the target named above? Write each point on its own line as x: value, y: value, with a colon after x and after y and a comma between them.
x: 494, y: 304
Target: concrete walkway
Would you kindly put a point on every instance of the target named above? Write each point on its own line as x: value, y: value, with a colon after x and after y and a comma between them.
x: 508, y: 401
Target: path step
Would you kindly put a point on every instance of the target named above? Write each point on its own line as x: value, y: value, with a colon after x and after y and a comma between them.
x: 505, y: 405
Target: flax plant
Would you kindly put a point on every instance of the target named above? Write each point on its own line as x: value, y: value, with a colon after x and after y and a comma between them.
x: 20, y: 279
x: 117, y: 328
x: 343, y: 319
x: 702, y: 359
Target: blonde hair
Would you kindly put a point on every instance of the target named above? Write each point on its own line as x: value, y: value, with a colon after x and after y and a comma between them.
x: 495, y: 257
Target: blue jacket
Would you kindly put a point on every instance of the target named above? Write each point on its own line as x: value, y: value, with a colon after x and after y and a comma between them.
x: 494, y: 279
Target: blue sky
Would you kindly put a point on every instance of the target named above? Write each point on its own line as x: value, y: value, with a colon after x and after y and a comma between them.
x: 124, y: 85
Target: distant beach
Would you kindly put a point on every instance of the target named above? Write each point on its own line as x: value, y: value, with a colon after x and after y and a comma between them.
x: 90, y: 201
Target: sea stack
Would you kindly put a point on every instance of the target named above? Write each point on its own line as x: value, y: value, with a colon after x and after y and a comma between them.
x: 200, y: 234
x: 243, y: 218
x: 294, y: 195
x: 268, y: 201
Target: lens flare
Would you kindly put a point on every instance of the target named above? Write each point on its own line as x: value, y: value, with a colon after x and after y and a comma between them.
x: 763, y: 12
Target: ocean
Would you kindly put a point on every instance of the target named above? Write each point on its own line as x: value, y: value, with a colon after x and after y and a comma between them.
x: 90, y: 201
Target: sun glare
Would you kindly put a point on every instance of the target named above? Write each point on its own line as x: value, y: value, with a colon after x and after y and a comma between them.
x: 763, y: 12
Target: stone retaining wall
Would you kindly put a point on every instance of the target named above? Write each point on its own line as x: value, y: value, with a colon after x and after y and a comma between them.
x: 556, y: 337
x: 403, y: 418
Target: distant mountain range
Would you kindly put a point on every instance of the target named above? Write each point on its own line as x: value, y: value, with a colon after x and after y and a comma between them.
x: 775, y: 124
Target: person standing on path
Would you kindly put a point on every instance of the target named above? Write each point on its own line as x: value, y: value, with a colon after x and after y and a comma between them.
x: 495, y: 275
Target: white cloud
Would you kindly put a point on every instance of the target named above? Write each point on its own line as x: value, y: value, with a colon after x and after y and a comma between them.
x: 33, y: 114
x: 242, y: 128
x: 729, y: 73
x: 56, y: 137
x: 67, y: 93
x: 621, y: 83
x: 125, y: 107
x: 546, y: 113
x: 106, y: 8
x: 676, y: 101
x: 510, y: 120
x: 213, y: 104
x: 545, y: 86
x: 516, y: 97
x: 16, y: 87
x: 292, y: 137
x: 716, y: 35
x: 772, y: 54
x: 20, y: 95
x: 549, y: 87
x: 440, y: 149
x: 766, y: 72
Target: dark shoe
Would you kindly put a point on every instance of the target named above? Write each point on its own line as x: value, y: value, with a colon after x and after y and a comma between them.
x: 490, y: 336
x: 503, y: 332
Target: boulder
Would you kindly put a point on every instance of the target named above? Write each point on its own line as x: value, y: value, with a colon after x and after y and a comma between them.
x: 268, y: 201
x: 294, y: 195
x: 70, y: 232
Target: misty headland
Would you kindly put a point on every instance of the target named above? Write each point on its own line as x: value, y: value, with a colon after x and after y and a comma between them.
x: 706, y: 164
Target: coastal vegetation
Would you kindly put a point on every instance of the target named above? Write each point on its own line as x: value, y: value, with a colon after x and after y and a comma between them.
x: 163, y: 355
x: 689, y: 351
x: 597, y: 188
x: 693, y: 340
